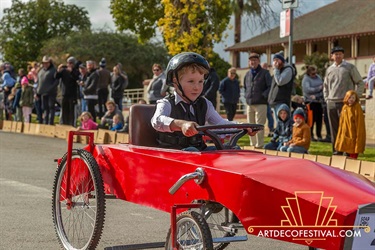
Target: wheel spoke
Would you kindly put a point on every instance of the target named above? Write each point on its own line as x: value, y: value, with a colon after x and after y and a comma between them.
x: 80, y: 208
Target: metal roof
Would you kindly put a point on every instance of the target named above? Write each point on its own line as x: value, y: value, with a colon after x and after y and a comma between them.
x: 339, y: 19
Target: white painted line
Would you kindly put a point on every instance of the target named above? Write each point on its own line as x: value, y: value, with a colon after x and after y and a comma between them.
x: 27, y: 189
x: 142, y: 215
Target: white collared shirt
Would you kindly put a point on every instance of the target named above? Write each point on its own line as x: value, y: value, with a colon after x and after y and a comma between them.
x: 161, y: 120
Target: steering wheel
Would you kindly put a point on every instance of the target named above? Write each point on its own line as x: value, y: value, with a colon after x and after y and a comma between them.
x: 238, y: 130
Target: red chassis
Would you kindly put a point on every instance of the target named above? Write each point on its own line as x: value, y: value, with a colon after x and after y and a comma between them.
x: 268, y: 194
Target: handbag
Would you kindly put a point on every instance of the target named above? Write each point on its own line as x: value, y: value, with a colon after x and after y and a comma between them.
x: 310, y: 118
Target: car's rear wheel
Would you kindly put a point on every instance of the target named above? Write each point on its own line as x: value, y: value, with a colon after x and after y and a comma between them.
x: 78, y: 214
x: 192, y: 233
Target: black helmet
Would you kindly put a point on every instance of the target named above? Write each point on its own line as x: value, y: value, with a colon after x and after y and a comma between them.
x: 181, y: 60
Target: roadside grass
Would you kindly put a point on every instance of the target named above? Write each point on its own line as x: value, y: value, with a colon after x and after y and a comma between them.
x: 319, y: 148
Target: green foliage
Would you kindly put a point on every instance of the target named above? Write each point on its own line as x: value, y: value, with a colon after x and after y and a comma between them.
x: 185, y: 25
x: 221, y: 66
x: 138, y: 16
x: 137, y: 59
x: 193, y: 25
x: 320, y: 60
x: 26, y: 26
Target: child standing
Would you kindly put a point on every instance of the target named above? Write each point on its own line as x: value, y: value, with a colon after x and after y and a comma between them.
x: 27, y: 99
x: 301, y: 137
x: 176, y: 117
x: 351, y: 136
x: 116, y: 124
x: 86, y: 121
x: 283, y: 131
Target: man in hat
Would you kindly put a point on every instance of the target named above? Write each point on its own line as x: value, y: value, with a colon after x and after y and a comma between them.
x: 104, y: 82
x: 257, y: 85
x: 282, y: 83
x: 69, y: 76
x: 340, y: 77
x: 47, y: 90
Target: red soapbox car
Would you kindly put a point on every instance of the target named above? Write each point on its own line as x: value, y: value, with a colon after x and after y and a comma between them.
x: 288, y: 199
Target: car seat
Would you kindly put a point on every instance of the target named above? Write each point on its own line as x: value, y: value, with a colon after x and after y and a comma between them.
x: 141, y: 133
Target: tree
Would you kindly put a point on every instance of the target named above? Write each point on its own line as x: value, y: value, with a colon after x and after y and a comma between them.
x: 138, y: 16
x: 221, y: 66
x: 194, y: 25
x: 256, y: 11
x: 137, y: 59
x: 185, y: 25
x: 26, y: 26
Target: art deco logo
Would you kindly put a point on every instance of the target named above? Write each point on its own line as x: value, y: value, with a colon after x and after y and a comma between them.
x: 307, y: 225
x: 295, y: 215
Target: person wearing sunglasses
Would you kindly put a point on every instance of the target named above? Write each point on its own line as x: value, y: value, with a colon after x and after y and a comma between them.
x: 156, y: 85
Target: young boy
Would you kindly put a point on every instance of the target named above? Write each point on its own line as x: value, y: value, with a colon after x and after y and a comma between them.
x: 283, y: 131
x: 116, y: 123
x: 176, y: 117
x: 301, y: 137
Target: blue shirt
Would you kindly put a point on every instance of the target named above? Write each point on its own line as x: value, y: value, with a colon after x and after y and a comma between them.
x: 117, y: 126
x: 8, y: 80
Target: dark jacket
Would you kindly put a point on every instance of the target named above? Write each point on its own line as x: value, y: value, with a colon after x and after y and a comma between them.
x: 118, y: 85
x: 281, y: 94
x: 284, y: 129
x: 91, y: 83
x: 69, y: 84
x: 17, y: 97
x: 104, y: 78
x: 27, y: 96
x: 47, y: 83
x: 257, y: 88
x: 211, y: 86
x: 229, y: 90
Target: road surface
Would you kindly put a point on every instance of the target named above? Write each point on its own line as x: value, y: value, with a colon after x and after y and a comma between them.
x: 27, y: 172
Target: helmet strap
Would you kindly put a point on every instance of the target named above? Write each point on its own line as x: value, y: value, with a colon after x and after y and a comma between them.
x: 182, y: 91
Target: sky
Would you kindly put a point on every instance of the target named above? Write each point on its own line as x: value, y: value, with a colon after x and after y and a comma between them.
x: 100, y: 17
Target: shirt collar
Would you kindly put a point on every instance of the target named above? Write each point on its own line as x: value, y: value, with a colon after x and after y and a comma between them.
x: 343, y: 63
x: 177, y: 98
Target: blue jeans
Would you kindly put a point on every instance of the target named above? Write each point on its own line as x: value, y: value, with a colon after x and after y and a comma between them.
x: 270, y: 118
x: 273, y: 146
x: 294, y: 149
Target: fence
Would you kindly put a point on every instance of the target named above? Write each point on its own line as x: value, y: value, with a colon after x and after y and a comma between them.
x: 103, y: 136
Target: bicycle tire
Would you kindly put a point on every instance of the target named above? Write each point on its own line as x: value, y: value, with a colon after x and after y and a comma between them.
x: 79, y: 221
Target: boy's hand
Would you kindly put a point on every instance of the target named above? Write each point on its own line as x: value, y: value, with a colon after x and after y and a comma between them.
x: 251, y: 132
x: 286, y: 143
x: 189, y: 129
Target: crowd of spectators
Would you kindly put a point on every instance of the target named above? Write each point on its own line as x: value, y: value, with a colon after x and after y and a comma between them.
x: 90, y: 97
x: 79, y: 93
x: 297, y: 116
